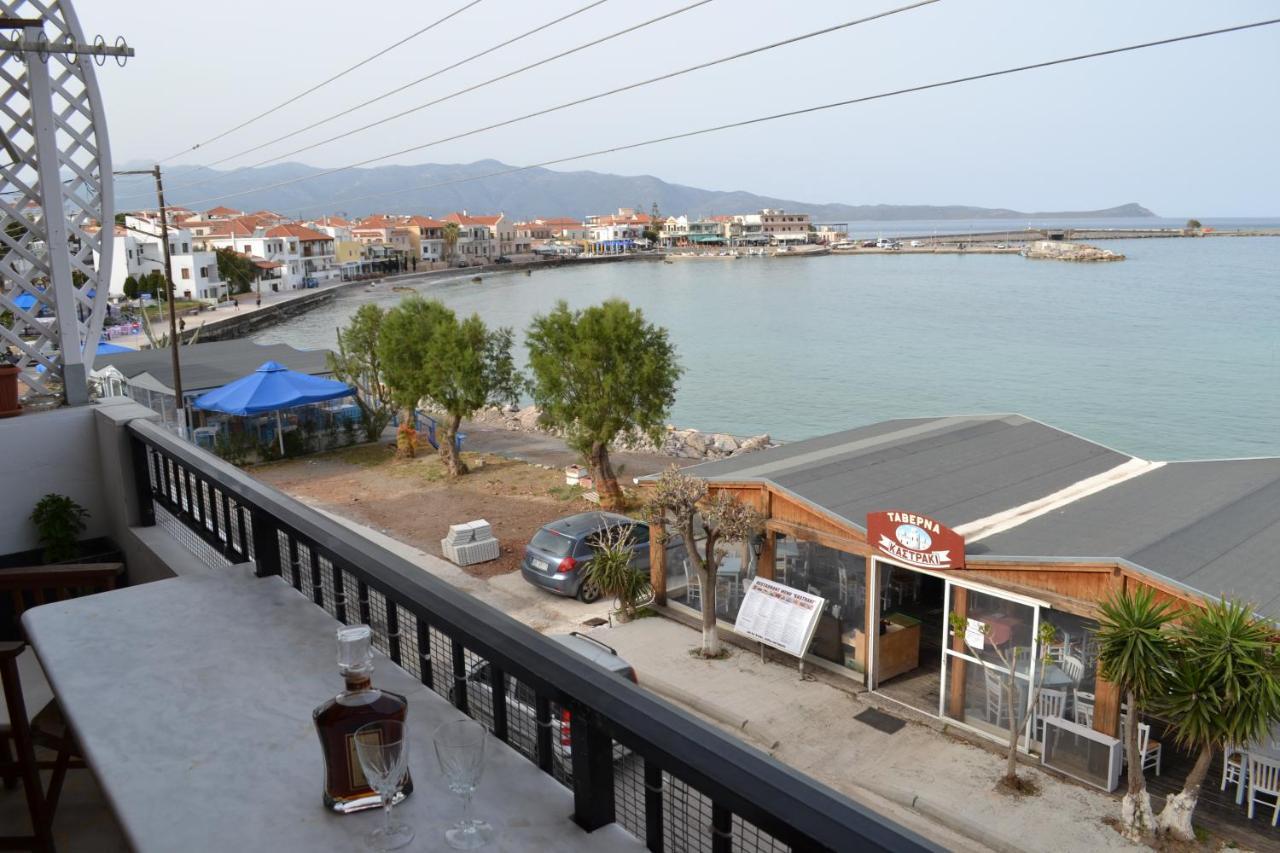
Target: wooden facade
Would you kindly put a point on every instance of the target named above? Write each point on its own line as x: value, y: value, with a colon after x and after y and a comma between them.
x: 1071, y: 587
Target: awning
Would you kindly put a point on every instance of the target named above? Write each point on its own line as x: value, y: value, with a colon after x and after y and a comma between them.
x: 705, y: 238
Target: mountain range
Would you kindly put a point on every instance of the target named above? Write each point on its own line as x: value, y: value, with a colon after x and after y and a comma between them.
x: 437, y: 189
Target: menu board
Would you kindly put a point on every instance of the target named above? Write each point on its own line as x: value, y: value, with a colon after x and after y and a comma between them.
x: 779, y: 616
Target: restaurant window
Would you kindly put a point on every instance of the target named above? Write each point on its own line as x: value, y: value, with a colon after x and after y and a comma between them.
x: 840, y: 579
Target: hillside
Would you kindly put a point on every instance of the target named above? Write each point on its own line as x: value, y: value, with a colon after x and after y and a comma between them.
x: 439, y: 188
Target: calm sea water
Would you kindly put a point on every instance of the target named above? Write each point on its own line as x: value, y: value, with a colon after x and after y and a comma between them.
x: 1171, y: 354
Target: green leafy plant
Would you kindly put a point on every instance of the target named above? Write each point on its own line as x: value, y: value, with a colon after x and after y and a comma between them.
x: 358, y: 364
x: 1134, y: 653
x: 611, y: 572
x: 598, y: 372
x: 1223, y: 688
x: 458, y: 366
x: 59, y: 521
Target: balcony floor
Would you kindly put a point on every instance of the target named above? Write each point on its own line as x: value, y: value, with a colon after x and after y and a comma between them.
x: 83, y: 823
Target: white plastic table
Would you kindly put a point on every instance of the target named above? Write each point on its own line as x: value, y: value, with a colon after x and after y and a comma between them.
x: 192, y: 700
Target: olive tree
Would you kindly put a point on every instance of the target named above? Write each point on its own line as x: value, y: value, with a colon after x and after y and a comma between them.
x: 680, y: 501
x: 457, y: 366
x: 598, y: 372
x: 359, y: 364
x: 1223, y: 688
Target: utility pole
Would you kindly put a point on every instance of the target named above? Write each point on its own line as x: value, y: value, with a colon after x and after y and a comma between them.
x: 175, y: 339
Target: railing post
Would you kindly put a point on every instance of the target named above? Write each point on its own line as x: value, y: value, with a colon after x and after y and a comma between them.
x: 266, y: 544
x: 653, y: 807
x: 721, y: 829
x: 593, y: 799
x: 142, y: 482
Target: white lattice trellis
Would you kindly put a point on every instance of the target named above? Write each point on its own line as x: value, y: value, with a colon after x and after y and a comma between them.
x: 55, y: 189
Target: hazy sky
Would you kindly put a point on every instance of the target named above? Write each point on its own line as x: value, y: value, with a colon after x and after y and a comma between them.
x: 1189, y: 129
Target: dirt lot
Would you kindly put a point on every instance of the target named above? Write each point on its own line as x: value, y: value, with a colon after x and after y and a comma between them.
x: 412, y: 500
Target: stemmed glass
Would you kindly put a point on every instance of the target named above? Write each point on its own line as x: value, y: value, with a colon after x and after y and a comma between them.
x: 460, y: 749
x: 383, y: 750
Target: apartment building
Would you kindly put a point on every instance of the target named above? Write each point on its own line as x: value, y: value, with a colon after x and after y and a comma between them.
x: 139, y: 250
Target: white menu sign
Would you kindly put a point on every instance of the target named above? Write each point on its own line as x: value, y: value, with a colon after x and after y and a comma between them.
x: 779, y: 616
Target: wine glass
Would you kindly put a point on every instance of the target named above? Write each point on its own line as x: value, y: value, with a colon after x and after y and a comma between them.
x: 383, y: 750
x: 460, y: 749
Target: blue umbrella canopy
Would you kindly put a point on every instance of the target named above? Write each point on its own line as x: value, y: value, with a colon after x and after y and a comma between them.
x: 270, y: 388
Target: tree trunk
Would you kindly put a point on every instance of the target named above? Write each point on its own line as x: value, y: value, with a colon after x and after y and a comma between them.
x: 1135, y: 808
x: 1175, y: 819
x: 445, y: 435
x: 602, y: 474
x: 1011, y: 765
x: 710, y: 637
x: 406, y: 436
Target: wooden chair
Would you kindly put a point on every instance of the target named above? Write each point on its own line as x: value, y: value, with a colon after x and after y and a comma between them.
x: 1235, y: 769
x: 21, y: 731
x: 1264, y: 779
x: 1050, y: 703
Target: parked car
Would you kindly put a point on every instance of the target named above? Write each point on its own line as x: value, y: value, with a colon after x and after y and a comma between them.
x: 522, y: 716
x: 556, y: 557
x: 869, y: 244
x: 915, y: 244
x: 502, y: 260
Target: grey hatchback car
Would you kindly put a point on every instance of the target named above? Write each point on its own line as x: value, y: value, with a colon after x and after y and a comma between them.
x: 556, y: 556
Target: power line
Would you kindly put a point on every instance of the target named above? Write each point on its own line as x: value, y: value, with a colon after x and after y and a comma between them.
x: 326, y: 82
x: 576, y: 102
x: 819, y: 108
x: 437, y: 73
x: 468, y: 89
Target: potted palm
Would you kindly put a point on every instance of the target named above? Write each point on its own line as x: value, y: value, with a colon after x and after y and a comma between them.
x: 59, y: 521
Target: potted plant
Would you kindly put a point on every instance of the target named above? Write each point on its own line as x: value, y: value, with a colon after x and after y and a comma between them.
x: 59, y: 522
x: 9, y: 370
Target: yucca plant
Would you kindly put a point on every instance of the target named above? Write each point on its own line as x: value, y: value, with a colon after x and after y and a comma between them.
x: 1224, y: 687
x: 1134, y: 653
x: 611, y: 572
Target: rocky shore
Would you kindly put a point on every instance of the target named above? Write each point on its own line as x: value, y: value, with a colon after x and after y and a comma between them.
x: 1058, y: 250
x: 679, y: 443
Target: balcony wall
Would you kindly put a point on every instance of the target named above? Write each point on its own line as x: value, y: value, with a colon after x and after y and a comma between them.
x: 44, y: 452
x: 83, y: 452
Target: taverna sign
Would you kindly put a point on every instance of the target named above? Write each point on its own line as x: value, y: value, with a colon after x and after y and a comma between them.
x: 915, y: 540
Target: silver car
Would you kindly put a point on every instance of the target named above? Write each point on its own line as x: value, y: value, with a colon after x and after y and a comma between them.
x: 522, y: 716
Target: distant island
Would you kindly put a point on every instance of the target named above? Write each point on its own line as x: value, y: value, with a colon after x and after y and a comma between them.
x: 520, y: 195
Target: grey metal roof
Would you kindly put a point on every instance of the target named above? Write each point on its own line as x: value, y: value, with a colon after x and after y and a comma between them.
x: 955, y: 469
x: 213, y: 364
x: 1212, y: 526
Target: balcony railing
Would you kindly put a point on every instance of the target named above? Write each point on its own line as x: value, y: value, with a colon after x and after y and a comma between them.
x: 673, y: 781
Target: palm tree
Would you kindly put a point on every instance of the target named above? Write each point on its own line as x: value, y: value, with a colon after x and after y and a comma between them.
x: 1224, y: 688
x: 451, y: 232
x: 1134, y: 655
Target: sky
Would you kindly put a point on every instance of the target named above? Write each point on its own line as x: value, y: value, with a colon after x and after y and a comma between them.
x: 1186, y: 130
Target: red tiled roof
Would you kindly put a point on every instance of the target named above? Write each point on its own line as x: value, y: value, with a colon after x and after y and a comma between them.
x: 333, y: 222
x: 424, y: 222
x: 223, y: 211
x: 293, y: 229
x: 467, y: 219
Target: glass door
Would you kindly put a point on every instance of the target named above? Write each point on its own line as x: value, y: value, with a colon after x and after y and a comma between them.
x: 990, y: 663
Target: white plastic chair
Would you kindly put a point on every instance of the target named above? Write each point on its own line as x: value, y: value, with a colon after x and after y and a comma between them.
x: 1149, y: 749
x: 693, y: 589
x: 1050, y: 703
x: 1264, y: 778
x: 1082, y: 706
x: 1235, y: 770
x: 1073, y: 667
x: 996, y: 711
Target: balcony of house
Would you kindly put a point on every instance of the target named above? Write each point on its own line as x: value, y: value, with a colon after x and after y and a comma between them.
x: 189, y: 686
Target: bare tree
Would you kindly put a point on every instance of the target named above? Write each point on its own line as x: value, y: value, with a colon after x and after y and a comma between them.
x: 681, y: 500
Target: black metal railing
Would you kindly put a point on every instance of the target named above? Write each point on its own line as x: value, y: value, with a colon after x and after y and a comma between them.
x: 672, y: 780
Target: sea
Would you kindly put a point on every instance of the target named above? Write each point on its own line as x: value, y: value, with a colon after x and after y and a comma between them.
x: 1173, y: 353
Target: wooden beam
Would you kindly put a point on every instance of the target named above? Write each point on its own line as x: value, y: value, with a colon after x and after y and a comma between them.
x: 956, y: 676
x: 658, y: 561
